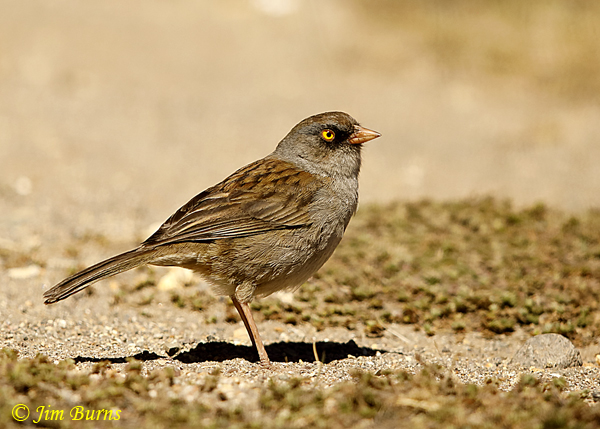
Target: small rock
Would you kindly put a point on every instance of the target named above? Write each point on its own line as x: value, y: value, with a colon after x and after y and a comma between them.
x: 172, y: 349
x: 175, y: 278
x: 23, y: 185
x: 547, y: 351
x: 22, y: 273
x: 285, y: 297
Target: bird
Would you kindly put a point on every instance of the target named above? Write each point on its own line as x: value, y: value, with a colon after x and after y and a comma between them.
x: 267, y: 227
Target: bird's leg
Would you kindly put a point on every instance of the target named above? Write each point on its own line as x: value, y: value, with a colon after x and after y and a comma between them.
x: 243, y: 309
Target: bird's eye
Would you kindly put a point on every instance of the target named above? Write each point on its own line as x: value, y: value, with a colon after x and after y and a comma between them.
x: 327, y: 135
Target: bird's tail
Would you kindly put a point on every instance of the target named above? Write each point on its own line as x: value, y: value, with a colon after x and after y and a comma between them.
x: 109, y: 267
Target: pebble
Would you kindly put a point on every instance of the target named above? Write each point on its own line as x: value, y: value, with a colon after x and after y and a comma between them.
x: 22, y: 273
x: 548, y: 351
x: 176, y: 278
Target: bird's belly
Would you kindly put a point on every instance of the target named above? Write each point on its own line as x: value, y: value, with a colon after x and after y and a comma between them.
x: 297, y: 270
x: 262, y: 264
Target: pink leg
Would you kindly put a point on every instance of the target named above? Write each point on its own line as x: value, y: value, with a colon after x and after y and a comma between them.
x: 243, y: 309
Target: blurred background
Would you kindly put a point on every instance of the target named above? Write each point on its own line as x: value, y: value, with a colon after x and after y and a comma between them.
x: 117, y: 112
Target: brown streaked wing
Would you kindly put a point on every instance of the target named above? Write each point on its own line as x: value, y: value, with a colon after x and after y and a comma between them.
x: 264, y: 196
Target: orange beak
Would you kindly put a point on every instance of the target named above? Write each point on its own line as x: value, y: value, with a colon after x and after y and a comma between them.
x: 362, y: 135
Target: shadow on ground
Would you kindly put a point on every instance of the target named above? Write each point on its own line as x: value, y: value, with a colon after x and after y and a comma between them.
x: 278, y: 352
x: 220, y: 351
x: 144, y: 356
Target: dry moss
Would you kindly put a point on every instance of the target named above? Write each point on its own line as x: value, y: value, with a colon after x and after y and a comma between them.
x: 476, y: 264
x: 431, y: 398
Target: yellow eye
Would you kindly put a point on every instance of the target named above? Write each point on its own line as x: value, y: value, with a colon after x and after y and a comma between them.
x: 327, y: 135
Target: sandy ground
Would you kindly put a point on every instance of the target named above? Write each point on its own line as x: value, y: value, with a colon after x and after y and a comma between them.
x: 89, y: 329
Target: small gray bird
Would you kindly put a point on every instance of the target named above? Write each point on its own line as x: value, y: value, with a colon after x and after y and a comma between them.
x: 267, y: 227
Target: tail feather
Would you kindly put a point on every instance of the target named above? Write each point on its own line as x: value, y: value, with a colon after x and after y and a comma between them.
x: 109, y: 267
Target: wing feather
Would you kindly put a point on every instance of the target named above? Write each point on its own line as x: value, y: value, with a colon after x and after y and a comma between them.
x: 267, y: 195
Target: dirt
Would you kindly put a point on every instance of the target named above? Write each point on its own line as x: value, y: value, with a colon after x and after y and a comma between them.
x: 192, y: 349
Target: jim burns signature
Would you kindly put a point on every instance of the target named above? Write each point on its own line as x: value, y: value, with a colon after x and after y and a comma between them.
x: 21, y: 413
